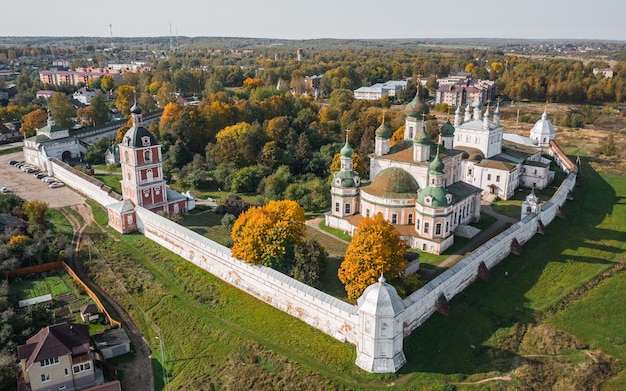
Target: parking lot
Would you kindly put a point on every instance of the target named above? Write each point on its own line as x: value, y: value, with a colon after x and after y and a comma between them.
x: 30, y: 188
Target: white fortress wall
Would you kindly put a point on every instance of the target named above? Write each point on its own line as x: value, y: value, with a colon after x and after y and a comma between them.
x: 421, y: 304
x: 83, y: 183
x: 320, y: 310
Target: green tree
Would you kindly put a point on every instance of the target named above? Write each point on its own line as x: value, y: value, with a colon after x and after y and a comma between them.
x: 309, y: 262
x: 97, y: 150
x: 62, y: 110
x: 36, y: 211
x: 275, y: 184
x: 375, y: 248
x: 100, y: 110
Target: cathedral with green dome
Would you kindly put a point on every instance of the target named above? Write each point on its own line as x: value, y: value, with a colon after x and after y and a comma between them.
x: 429, y: 188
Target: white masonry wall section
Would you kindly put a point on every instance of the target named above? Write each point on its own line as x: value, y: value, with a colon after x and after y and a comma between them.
x: 83, y: 183
x: 320, y: 310
x: 324, y: 312
x: 421, y: 304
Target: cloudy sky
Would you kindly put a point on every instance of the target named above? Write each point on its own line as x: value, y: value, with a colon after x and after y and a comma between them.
x: 294, y: 19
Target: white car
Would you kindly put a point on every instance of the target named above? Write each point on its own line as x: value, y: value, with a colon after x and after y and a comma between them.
x: 54, y: 185
x: 5, y: 190
x: 48, y: 179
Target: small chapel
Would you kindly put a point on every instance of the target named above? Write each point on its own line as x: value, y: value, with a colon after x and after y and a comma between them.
x: 426, y: 188
x: 142, y: 178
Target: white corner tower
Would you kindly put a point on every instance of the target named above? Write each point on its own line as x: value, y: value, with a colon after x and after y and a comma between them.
x: 380, y: 334
x: 543, y: 131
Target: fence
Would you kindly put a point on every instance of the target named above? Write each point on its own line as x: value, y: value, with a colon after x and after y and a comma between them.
x: 93, y: 296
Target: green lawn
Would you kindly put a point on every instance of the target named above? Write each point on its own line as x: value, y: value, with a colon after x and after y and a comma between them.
x: 208, y: 224
x: 58, y: 223
x: 113, y: 181
x: 337, y: 232
x: 234, y: 341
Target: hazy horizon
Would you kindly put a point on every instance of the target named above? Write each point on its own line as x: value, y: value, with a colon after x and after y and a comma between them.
x: 324, y: 19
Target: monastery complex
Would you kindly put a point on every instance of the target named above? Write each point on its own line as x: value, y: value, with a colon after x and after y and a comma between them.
x: 428, y: 189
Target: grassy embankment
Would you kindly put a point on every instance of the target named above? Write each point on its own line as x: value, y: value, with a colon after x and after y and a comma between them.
x: 215, y: 334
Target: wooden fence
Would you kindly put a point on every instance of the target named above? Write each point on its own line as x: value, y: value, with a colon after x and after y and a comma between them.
x: 93, y: 296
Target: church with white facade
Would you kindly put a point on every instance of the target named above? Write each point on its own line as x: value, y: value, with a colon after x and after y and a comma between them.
x: 427, y: 189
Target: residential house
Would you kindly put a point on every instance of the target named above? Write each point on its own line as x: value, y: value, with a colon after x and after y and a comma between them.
x: 57, y: 358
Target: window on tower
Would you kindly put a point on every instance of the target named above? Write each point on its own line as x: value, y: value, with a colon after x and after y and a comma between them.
x: 147, y: 156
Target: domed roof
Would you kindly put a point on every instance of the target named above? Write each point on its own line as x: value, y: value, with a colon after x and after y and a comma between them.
x: 383, y: 131
x: 346, y: 151
x: 438, y: 194
x: 393, y: 182
x: 135, y: 109
x: 416, y: 107
x: 447, y: 130
x: 381, y: 299
x: 422, y: 137
x: 347, y: 178
x: 543, y: 127
x: 139, y: 137
x: 436, y: 166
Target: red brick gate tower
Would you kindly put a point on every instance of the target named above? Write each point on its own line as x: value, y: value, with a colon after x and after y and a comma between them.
x: 142, y: 170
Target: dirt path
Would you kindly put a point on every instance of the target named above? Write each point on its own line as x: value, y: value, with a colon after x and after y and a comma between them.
x: 137, y: 373
x: 505, y: 378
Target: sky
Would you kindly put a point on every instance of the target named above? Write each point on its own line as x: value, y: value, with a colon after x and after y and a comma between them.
x: 352, y: 19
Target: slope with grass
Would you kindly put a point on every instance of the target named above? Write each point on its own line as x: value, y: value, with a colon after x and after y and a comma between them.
x: 218, y: 337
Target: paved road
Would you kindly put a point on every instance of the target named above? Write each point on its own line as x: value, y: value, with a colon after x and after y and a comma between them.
x: 30, y: 188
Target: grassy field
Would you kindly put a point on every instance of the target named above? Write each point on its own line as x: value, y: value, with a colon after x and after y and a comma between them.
x: 58, y: 223
x: 113, y: 181
x: 531, y: 321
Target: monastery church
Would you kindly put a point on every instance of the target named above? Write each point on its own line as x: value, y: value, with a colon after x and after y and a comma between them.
x: 429, y: 189
x: 142, y: 179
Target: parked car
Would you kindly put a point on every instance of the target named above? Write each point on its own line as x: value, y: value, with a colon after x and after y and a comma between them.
x: 48, y: 179
x: 54, y: 185
x: 40, y: 175
x: 13, y: 162
x: 5, y: 190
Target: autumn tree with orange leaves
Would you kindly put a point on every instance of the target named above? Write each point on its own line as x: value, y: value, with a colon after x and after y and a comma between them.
x: 376, y: 248
x: 267, y: 235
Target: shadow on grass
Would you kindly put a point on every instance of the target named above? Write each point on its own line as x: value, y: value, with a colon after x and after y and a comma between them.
x: 519, y: 289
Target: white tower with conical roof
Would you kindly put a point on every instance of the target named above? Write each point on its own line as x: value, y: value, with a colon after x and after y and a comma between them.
x: 381, y: 329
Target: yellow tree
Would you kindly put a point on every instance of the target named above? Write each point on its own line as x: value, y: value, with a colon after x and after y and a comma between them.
x: 125, y: 96
x: 19, y: 242
x: 32, y: 121
x: 171, y: 111
x: 267, y: 235
x: 376, y: 248
x: 252, y: 82
x: 357, y: 164
x: 107, y: 83
x: 36, y: 212
x: 397, y: 136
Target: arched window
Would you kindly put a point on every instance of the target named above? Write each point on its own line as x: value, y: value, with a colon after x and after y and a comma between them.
x: 147, y: 156
x: 126, y: 157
